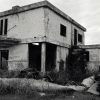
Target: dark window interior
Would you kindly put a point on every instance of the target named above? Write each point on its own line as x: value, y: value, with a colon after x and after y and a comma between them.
x: 87, y: 55
x: 3, y: 59
x: 50, y: 57
x: 75, y: 37
x: 1, y: 27
x: 5, y: 27
x: 62, y: 30
x: 79, y: 38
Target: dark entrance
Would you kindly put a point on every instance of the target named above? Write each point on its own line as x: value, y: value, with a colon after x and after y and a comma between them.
x: 3, y: 59
x: 35, y: 56
x: 50, y: 57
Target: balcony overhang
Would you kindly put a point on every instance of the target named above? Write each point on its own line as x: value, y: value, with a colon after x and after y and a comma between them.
x: 6, y: 42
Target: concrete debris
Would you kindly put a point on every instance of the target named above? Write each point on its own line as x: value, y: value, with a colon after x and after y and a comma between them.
x: 93, y: 89
x: 88, y: 85
x: 88, y: 82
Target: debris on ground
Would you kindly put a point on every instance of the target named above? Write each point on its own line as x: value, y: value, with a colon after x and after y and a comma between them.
x: 89, y: 84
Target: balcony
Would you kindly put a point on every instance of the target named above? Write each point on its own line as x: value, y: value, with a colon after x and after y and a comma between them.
x: 6, y: 42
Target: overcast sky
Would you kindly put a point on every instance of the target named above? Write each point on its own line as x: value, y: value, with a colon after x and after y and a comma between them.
x: 85, y: 12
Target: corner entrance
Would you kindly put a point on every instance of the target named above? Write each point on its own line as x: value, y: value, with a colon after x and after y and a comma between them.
x: 42, y: 56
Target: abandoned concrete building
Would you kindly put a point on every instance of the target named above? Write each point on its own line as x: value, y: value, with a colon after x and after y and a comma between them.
x: 38, y: 35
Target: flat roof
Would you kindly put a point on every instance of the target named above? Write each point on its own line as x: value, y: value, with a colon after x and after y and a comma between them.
x: 18, y: 9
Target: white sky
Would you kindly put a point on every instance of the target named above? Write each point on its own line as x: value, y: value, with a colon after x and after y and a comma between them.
x: 85, y: 12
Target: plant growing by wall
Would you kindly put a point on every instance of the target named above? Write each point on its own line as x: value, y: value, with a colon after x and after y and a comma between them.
x: 77, y: 63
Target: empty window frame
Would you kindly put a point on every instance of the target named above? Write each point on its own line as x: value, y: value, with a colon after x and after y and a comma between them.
x: 75, y: 36
x: 3, y: 26
x: 80, y: 39
x: 62, y: 30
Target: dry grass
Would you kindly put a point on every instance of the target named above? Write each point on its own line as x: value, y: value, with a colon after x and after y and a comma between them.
x: 16, y: 86
x: 20, y: 88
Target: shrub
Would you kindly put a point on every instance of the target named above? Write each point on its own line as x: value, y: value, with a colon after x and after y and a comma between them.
x: 77, y: 63
x: 58, y: 77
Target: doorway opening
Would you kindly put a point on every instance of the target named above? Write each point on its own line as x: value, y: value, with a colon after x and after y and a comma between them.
x: 35, y: 56
x: 50, y: 57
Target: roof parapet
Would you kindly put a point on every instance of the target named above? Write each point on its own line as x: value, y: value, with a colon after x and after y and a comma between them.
x: 15, y: 7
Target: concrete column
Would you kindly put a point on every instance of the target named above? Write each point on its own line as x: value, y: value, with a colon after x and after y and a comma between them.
x: 57, y: 58
x: 0, y: 60
x: 43, y: 57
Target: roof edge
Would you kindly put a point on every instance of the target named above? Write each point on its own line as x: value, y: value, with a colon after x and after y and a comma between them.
x: 38, y: 5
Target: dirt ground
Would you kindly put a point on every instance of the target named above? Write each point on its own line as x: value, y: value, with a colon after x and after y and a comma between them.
x: 58, y: 96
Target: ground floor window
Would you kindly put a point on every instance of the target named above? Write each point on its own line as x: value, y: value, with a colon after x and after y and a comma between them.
x: 80, y: 38
x: 4, y: 59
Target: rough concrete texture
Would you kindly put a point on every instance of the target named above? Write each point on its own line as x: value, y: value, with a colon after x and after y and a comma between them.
x: 93, y: 89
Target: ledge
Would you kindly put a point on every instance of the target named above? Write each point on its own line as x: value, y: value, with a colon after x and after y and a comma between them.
x: 6, y: 42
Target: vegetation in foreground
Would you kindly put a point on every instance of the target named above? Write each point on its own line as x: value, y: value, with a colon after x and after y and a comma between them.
x: 59, y: 96
x: 21, y: 90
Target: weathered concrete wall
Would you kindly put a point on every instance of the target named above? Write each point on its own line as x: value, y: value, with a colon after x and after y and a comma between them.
x: 27, y: 24
x: 52, y: 28
x: 18, y: 57
x: 79, y: 32
x: 61, y: 55
x: 64, y: 55
x: 94, y: 60
x: 40, y: 22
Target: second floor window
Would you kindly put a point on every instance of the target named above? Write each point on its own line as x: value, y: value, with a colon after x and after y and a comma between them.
x: 62, y: 30
x: 75, y: 36
x: 80, y: 38
x: 3, y: 26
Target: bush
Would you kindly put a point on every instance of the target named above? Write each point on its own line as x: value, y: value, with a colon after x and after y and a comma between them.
x: 58, y: 77
x: 9, y: 74
x: 77, y: 63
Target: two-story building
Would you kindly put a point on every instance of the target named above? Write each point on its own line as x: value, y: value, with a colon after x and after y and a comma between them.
x: 38, y: 35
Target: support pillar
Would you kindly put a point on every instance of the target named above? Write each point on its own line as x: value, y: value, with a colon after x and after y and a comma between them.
x: 57, y: 58
x: 0, y: 60
x: 43, y: 57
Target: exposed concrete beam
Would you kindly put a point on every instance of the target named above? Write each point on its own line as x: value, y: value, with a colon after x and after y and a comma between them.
x: 44, y: 39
